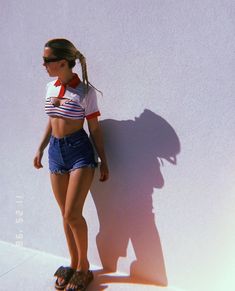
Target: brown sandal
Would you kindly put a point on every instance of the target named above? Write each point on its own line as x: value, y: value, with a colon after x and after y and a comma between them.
x: 81, y: 280
x: 63, y: 272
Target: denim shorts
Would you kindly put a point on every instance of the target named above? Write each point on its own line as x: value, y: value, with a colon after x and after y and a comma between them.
x: 70, y: 152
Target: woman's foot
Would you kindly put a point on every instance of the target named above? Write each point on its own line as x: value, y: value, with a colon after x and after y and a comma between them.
x: 79, y: 281
x: 63, y: 275
x: 61, y: 279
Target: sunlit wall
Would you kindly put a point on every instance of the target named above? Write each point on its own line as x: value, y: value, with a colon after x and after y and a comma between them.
x: 166, y: 69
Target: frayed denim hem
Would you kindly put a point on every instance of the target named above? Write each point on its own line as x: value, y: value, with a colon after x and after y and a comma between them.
x: 60, y: 172
x: 92, y: 165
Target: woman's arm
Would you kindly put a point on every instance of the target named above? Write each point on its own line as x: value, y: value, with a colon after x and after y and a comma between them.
x: 97, y: 138
x: 42, y: 146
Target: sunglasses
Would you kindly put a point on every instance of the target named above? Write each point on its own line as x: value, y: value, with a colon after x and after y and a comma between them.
x: 50, y: 60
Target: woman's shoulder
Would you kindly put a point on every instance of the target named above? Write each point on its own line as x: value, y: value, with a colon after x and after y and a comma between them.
x: 51, y: 90
x: 81, y: 91
x: 50, y: 83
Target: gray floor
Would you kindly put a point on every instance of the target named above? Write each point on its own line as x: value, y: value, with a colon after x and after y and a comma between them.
x: 31, y: 270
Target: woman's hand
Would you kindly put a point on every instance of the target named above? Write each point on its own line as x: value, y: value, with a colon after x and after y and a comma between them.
x: 37, y: 160
x: 104, y: 172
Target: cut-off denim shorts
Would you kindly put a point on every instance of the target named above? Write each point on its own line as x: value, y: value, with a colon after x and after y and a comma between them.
x: 70, y: 152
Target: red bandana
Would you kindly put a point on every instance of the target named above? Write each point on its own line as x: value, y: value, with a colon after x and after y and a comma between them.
x: 73, y: 83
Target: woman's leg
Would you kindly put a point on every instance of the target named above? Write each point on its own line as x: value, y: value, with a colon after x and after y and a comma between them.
x: 59, y: 186
x: 79, y: 184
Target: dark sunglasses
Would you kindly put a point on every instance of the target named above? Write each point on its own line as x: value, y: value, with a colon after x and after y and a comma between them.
x: 50, y: 60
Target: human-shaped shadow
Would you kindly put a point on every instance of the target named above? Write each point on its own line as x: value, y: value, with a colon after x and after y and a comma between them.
x: 135, y: 152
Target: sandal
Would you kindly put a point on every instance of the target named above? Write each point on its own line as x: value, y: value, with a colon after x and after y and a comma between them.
x: 63, y: 272
x: 81, y: 280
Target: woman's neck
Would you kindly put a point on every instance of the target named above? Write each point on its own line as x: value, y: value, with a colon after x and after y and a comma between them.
x: 66, y: 77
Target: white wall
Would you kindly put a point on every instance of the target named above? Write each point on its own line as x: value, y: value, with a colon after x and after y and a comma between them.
x: 166, y: 69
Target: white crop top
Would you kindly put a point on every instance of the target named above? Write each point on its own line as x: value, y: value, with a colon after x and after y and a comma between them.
x: 77, y: 105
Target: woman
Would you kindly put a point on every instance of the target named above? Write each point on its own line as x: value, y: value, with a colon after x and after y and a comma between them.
x: 71, y: 157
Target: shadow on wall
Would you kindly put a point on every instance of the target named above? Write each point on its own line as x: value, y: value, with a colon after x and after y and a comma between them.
x: 124, y: 203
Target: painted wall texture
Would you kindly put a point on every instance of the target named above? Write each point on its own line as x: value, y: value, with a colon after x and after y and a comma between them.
x: 166, y: 69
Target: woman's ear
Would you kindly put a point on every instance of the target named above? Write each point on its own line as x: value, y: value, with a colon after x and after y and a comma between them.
x: 63, y: 64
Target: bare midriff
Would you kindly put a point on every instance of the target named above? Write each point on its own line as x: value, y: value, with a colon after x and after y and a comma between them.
x: 64, y: 126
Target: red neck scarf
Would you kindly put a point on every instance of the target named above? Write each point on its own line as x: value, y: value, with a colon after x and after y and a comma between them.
x: 73, y: 83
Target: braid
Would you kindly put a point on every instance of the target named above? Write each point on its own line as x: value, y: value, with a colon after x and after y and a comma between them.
x: 82, y: 60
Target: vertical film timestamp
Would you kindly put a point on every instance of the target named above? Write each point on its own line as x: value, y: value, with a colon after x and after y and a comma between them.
x: 19, y: 236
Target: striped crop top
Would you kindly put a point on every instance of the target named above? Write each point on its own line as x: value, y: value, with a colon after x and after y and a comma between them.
x: 76, y: 104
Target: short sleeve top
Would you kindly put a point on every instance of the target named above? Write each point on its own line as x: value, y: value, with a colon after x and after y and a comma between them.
x: 78, y: 104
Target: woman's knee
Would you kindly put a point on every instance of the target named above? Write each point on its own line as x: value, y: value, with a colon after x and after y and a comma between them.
x: 73, y: 218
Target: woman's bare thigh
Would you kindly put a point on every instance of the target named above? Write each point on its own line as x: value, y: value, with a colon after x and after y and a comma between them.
x: 59, y: 185
x: 79, y: 184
